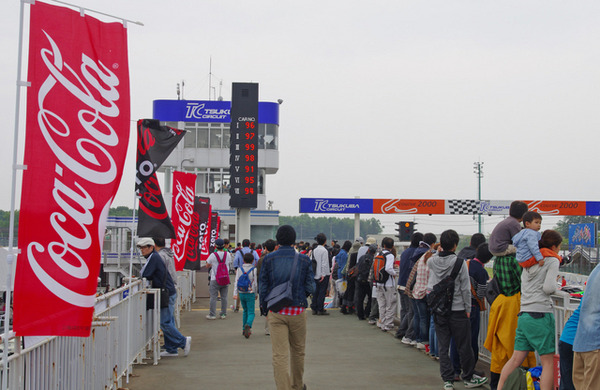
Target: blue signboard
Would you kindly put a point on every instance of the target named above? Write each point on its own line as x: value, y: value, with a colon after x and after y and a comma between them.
x: 208, y: 111
x: 336, y: 206
x: 582, y: 234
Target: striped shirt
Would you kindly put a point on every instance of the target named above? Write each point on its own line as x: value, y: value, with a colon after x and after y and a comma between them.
x: 292, y: 310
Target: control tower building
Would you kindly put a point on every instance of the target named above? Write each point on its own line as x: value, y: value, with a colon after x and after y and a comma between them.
x: 205, y: 151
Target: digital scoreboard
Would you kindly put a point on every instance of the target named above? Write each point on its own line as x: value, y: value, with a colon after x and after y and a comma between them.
x: 243, y: 156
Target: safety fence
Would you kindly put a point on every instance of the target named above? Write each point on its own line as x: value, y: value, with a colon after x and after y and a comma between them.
x: 123, y: 333
x: 563, y: 306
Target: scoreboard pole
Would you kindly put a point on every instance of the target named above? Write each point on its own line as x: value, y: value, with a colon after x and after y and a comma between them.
x: 243, y: 155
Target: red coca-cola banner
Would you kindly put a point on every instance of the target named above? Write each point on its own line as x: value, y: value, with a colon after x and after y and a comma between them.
x: 184, y: 188
x: 75, y: 147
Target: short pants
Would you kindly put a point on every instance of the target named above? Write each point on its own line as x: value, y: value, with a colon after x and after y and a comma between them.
x: 535, y: 334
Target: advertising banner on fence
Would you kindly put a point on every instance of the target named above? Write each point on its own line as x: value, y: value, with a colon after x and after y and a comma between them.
x: 184, y: 189
x: 582, y: 234
x: 75, y: 147
x: 155, y: 143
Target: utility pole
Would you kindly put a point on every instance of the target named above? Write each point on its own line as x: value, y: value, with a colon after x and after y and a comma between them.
x: 478, y: 170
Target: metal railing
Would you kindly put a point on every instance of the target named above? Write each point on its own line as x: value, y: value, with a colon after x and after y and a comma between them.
x: 103, y: 359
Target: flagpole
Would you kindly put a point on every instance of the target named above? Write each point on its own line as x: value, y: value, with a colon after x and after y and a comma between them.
x: 10, y: 258
x: 82, y: 9
x: 131, y: 250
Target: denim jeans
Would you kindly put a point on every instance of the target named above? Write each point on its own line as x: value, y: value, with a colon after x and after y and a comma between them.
x: 433, y: 341
x: 420, y: 320
x: 173, y: 339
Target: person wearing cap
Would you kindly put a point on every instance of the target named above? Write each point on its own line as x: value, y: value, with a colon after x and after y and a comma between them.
x: 363, y: 249
x: 215, y: 289
x: 155, y: 271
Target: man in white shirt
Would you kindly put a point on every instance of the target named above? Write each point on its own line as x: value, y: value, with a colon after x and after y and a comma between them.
x: 320, y: 255
x: 386, y: 291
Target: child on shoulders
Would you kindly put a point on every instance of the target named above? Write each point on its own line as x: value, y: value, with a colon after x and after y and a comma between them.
x: 527, y: 241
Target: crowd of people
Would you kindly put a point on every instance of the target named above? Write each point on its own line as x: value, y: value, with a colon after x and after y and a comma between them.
x: 441, y: 294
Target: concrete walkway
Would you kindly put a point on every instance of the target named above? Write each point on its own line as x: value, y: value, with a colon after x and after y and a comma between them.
x: 341, y: 352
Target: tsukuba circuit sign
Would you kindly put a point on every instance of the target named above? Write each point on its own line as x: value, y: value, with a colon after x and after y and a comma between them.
x: 442, y: 206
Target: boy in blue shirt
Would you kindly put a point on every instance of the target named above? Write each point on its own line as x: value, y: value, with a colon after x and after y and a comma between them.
x: 527, y: 241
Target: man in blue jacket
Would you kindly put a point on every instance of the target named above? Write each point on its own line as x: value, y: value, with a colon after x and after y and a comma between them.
x: 156, y: 271
x: 288, y: 326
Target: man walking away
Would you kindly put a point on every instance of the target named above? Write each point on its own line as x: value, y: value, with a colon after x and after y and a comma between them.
x: 220, y: 258
x: 288, y: 325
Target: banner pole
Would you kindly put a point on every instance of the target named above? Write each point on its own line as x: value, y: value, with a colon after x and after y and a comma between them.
x: 131, y: 250
x: 10, y: 258
x: 82, y: 9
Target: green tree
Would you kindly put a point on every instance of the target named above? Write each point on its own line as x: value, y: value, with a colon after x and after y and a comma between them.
x: 308, y: 227
x: 120, y: 211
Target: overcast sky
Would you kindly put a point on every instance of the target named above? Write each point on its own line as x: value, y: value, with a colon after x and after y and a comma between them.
x: 382, y: 99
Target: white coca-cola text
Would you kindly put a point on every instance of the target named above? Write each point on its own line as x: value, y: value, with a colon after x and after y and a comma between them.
x: 90, y: 161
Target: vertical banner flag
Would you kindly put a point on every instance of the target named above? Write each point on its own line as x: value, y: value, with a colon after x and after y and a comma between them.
x: 205, y: 235
x: 184, y: 189
x: 214, y: 231
x: 192, y: 247
x: 198, y: 232
x: 75, y: 147
x: 155, y: 143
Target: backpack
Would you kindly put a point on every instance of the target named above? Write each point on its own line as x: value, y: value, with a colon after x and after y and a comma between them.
x: 440, y: 298
x: 364, y: 267
x: 244, y: 284
x: 222, y: 274
x: 379, y: 273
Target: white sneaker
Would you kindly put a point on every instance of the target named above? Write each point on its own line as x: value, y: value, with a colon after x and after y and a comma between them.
x: 406, y: 340
x: 209, y: 317
x: 413, y: 342
x: 188, y: 345
x: 165, y: 353
x: 420, y: 346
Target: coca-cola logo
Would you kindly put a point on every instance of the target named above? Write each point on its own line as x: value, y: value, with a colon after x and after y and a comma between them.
x: 83, y: 156
x: 193, y: 243
x: 184, y: 209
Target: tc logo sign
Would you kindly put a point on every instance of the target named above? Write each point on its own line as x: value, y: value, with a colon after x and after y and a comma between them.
x: 194, y: 110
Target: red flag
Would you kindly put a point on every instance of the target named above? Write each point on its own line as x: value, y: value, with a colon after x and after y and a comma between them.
x: 198, y: 232
x: 184, y: 188
x: 75, y: 147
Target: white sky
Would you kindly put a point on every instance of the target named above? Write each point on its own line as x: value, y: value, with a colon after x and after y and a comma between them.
x: 382, y: 99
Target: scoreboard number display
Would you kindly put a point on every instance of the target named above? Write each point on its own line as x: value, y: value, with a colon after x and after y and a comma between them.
x: 243, y: 156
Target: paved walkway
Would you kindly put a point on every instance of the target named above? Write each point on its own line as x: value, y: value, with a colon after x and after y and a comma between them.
x: 341, y: 352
